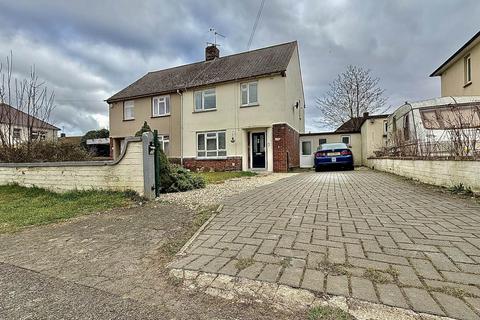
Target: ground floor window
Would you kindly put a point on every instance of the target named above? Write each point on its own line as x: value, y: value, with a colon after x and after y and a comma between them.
x: 346, y: 140
x: 306, y: 148
x: 164, y: 144
x: 322, y: 141
x: 211, y: 144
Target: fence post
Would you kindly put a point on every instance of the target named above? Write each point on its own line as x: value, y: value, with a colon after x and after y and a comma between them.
x: 148, y: 166
x: 156, y: 145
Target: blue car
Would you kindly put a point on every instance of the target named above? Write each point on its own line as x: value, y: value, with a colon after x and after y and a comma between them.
x: 333, y: 155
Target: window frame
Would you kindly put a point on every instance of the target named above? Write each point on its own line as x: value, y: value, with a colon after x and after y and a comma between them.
x: 202, y: 92
x: 349, y: 140
x: 132, y: 107
x: 248, y: 104
x: 467, y: 69
x: 205, y: 144
x: 319, y: 144
x: 163, y: 139
x: 19, y: 131
x: 302, y: 149
x: 167, y: 106
x: 385, y: 127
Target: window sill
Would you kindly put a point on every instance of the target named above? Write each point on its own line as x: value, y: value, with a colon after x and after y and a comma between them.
x: 211, y: 158
x: 129, y: 119
x: 467, y: 84
x: 161, y: 116
x: 201, y: 111
x: 249, y: 105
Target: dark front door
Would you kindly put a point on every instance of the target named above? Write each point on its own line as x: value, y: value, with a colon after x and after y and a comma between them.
x: 258, y: 150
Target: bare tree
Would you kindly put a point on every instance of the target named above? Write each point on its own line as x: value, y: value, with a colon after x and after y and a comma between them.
x: 25, y: 103
x: 350, y: 95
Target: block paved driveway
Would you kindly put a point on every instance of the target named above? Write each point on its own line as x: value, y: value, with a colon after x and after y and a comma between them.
x: 364, y: 234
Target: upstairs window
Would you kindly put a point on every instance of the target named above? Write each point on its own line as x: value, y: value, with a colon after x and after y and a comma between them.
x: 211, y: 144
x: 249, y: 93
x: 161, y: 106
x: 16, y: 133
x: 468, y: 69
x: 128, y: 110
x: 205, y: 100
x: 385, y: 127
x: 38, y: 135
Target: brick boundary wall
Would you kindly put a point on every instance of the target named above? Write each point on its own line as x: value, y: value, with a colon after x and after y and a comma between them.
x: 445, y: 173
x: 286, y: 149
x: 133, y: 170
x: 228, y: 164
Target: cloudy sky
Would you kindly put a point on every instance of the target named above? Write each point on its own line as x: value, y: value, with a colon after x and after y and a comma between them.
x: 88, y: 50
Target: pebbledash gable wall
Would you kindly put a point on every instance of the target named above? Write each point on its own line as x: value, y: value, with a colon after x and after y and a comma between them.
x: 132, y: 171
x: 285, y: 147
x: 227, y: 164
x: 437, y: 172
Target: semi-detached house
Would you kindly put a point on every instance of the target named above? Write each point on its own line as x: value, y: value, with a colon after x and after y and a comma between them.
x: 239, y: 112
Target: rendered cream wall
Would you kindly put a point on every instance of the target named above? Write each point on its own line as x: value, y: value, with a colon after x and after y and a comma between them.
x: 294, y: 93
x: 453, y: 79
x: 168, y: 125
x: 233, y: 118
x: 127, y: 174
x: 372, y: 138
x: 440, y: 172
x: 51, y: 135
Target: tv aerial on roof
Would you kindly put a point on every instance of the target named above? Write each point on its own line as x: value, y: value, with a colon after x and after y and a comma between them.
x: 215, y: 34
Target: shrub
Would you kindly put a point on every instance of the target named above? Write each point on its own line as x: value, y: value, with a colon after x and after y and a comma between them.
x: 44, y: 151
x: 175, y: 178
x: 144, y: 128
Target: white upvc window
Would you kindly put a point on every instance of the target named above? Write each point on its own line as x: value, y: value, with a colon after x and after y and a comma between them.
x: 161, y: 106
x: 249, y: 93
x: 205, y: 100
x: 17, y: 132
x: 128, y: 110
x: 164, y: 144
x: 385, y: 127
x: 468, y: 69
x: 211, y: 144
x: 346, y: 140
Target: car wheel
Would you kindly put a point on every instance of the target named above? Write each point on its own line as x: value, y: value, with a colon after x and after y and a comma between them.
x: 351, y: 167
x: 318, y: 169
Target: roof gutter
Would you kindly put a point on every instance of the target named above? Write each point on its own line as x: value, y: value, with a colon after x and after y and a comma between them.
x: 440, y: 70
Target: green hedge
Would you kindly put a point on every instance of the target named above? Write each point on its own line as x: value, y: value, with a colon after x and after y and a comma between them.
x: 175, y: 178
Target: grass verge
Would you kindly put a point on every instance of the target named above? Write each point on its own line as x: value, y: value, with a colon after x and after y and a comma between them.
x: 178, y: 239
x: 220, y: 177
x: 21, y: 206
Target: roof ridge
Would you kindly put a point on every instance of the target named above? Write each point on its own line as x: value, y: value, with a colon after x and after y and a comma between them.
x: 230, y: 55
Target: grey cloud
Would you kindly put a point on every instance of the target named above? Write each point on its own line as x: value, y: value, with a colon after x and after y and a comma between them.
x: 87, y: 50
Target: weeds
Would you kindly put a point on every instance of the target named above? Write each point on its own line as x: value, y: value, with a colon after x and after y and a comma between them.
x: 244, y: 263
x: 328, y: 313
x: 376, y: 276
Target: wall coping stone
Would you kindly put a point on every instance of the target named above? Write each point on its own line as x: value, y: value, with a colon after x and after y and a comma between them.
x: 73, y: 163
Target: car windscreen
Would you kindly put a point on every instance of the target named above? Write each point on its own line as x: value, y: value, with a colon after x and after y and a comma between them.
x: 332, y: 146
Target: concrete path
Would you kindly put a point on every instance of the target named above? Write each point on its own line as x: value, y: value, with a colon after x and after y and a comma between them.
x: 364, y: 234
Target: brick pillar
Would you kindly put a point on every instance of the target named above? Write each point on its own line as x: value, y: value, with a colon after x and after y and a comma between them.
x: 286, y: 152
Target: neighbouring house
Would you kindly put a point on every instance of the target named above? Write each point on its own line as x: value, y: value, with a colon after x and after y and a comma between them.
x: 17, y: 126
x: 364, y: 135
x: 460, y: 74
x: 239, y: 112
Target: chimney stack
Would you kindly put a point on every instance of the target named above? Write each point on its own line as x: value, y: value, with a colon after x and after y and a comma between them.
x: 211, y: 52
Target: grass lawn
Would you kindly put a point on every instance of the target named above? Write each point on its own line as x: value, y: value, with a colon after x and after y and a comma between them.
x: 219, y: 177
x: 20, y: 206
